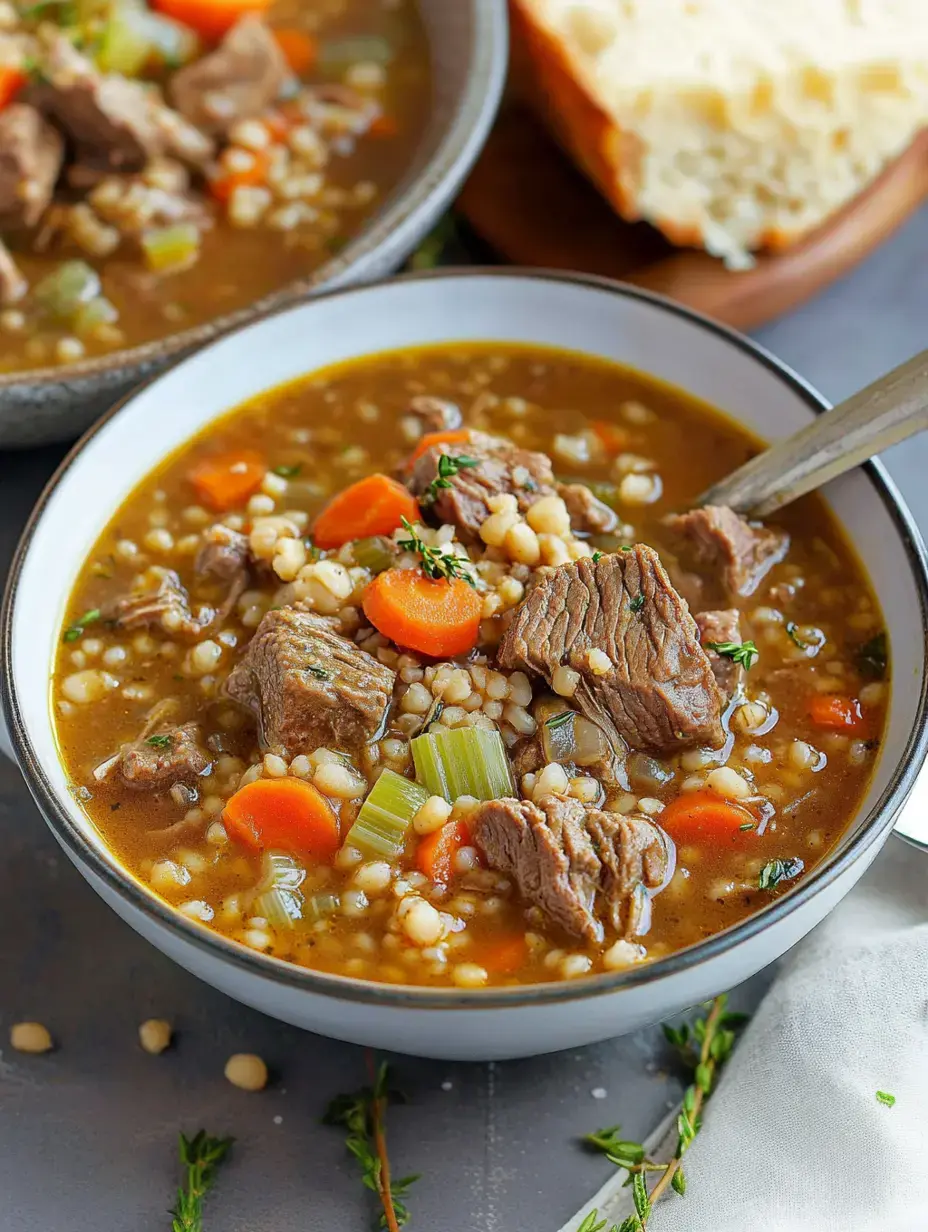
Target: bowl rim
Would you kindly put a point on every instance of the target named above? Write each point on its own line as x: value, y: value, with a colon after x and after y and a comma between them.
x: 214, y: 945
x: 426, y: 193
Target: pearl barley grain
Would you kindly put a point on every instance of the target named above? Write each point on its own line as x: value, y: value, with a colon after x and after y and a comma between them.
x: 246, y: 1071
x: 31, y: 1037
x: 155, y: 1035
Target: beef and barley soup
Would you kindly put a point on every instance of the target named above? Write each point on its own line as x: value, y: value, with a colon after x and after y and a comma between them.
x: 424, y: 669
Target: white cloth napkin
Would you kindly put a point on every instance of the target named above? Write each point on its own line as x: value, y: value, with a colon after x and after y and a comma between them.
x: 794, y: 1138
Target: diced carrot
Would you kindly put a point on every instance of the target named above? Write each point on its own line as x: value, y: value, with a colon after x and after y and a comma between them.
x: 612, y: 438
x: 225, y: 183
x: 210, y: 18
x: 505, y: 955
x: 277, y: 125
x: 283, y: 815
x: 383, y: 126
x: 225, y: 480
x: 436, y: 616
x: 836, y: 713
x: 12, y: 81
x: 703, y: 816
x: 436, y: 852
x: 453, y: 436
x: 372, y: 506
x: 300, y: 49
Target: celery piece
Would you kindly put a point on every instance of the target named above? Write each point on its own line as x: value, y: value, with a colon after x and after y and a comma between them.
x: 375, y: 554
x: 318, y: 906
x: 280, y: 871
x: 281, y: 908
x: 90, y: 316
x: 171, y: 248
x: 61, y: 293
x: 466, y: 761
x: 125, y: 47
x: 383, y: 822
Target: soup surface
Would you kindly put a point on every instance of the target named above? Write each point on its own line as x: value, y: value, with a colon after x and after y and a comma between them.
x: 393, y: 672
x: 168, y: 163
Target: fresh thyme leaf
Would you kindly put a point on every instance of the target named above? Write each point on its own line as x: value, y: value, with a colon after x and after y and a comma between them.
x: 884, y: 1098
x: 448, y: 467
x: 678, y: 1183
x: 742, y: 653
x: 72, y: 633
x: 288, y: 472
x: 775, y: 871
x: 201, y: 1157
x: 631, y: 1224
x: 640, y: 1195
x: 319, y: 672
x: 637, y: 603
x: 559, y: 719
x: 597, y: 556
x: 794, y: 637
x: 873, y: 657
x: 593, y: 1223
x: 435, y: 564
x: 159, y: 742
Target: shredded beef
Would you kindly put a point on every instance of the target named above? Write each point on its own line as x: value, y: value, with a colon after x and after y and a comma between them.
x: 163, y: 759
x: 30, y: 160
x: 657, y: 692
x: 739, y: 552
x: 308, y: 687
x: 588, y: 514
x: 159, y: 600
x: 435, y: 414
x: 718, y: 627
x: 225, y: 554
x: 241, y: 78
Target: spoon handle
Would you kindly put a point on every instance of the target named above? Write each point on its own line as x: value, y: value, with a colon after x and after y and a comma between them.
x: 886, y: 412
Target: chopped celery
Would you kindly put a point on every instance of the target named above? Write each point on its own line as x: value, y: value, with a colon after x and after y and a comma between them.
x: 318, y: 906
x: 61, y: 293
x: 375, y: 554
x: 171, y: 248
x: 281, y: 908
x: 383, y: 822
x: 280, y: 871
x: 90, y: 316
x: 464, y: 762
x: 125, y: 47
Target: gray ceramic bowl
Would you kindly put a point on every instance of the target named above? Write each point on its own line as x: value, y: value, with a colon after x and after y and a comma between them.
x: 469, y: 45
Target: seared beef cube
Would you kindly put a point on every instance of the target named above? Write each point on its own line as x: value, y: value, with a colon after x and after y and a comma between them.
x: 225, y: 554
x: 501, y: 468
x: 580, y: 866
x: 719, y: 627
x: 241, y: 78
x: 435, y: 414
x: 166, y: 758
x: 588, y: 514
x: 160, y: 601
x: 618, y: 622
x: 308, y: 687
x: 739, y: 552
x: 30, y: 160
x: 13, y: 284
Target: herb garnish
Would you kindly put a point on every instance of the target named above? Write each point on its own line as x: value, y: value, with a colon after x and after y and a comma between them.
x: 200, y: 1156
x: 311, y: 550
x: 72, y: 633
x: 705, y: 1047
x: 159, y: 742
x: 363, y: 1114
x: 288, y: 472
x: 742, y: 653
x: 794, y: 637
x: 775, y: 871
x: 559, y: 719
x: 747, y: 825
x: 884, y: 1098
x: 637, y: 603
x: 597, y: 556
x: 435, y: 564
x: 448, y: 467
x: 319, y: 672
x: 873, y: 656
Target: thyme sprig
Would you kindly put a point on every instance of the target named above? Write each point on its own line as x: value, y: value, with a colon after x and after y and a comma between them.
x: 200, y: 1157
x: 705, y: 1047
x: 363, y: 1114
x: 448, y: 467
x: 742, y: 653
x: 435, y: 563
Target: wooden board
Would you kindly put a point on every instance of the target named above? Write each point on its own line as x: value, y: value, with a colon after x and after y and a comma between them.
x: 530, y: 204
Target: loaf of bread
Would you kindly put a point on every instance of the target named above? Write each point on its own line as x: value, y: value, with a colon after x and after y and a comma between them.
x: 733, y: 125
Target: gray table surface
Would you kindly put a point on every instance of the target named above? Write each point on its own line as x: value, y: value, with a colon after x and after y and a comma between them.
x: 87, y: 1134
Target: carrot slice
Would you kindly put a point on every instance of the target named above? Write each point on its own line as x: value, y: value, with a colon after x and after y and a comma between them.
x: 285, y: 815
x: 453, y: 436
x: 612, y: 438
x: 437, y: 850
x: 505, y: 955
x: 225, y: 480
x: 384, y: 126
x: 11, y: 82
x: 372, y: 506
x: 702, y: 816
x: 210, y: 18
x: 224, y: 185
x: 439, y: 617
x: 300, y: 49
x: 836, y: 713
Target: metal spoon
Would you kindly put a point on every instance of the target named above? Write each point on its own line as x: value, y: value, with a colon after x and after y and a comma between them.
x: 886, y: 412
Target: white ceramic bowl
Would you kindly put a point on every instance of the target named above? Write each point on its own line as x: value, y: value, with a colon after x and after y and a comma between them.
x: 599, y: 318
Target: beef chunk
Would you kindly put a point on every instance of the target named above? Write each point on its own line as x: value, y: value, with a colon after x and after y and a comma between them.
x: 159, y: 601
x: 740, y: 553
x: 718, y: 627
x: 13, y: 284
x: 159, y: 761
x: 241, y: 78
x: 225, y: 554
x: 588, y: 514
x: 308, y: 687
x: 501, y: 468
x: 580, y: 866
x: 656, y: 689
x: 30, y: 160
x: 435, y: 414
